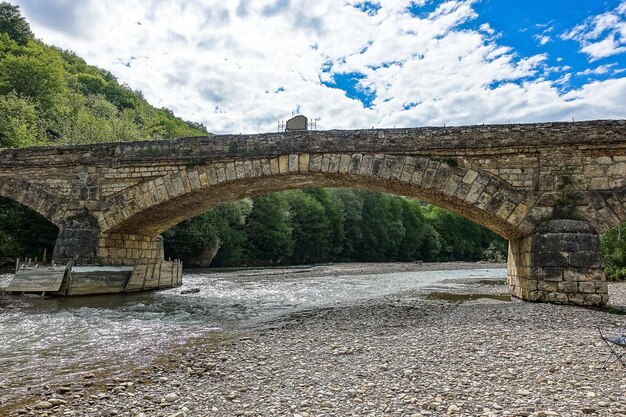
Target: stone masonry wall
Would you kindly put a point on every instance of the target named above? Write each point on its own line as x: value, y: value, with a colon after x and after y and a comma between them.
x: 560, y: 263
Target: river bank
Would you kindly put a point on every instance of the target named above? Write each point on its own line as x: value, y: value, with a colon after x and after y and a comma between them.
x: 405, y: 354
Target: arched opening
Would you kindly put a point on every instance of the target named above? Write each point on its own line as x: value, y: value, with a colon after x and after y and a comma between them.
x: 149, y: 209
x: 24, y: 233
x: 318, y: 225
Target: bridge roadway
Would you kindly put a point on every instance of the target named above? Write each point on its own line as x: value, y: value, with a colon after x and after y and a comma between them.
x: 549, y: 188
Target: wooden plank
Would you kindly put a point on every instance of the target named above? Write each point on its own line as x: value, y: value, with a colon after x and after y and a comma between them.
x: 43, y: 279
x: 137, y: 279
x: 152, y: 280
x: 99, y: 282
x: 179, y: 280
x: 166, y: 273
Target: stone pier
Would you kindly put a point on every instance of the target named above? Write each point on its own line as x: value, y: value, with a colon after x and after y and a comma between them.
x: 560, y: 263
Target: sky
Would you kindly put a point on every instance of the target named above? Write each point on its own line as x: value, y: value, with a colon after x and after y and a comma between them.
x: 241, y: 66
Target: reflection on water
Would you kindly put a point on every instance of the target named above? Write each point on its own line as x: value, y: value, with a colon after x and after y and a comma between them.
x: 44, y: 340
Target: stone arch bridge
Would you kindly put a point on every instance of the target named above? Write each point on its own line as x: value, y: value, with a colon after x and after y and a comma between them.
x: 548, y: 188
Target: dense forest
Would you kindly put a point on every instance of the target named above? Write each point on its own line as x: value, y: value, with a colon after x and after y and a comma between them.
x: 327, y: 225
x: 50, y: 96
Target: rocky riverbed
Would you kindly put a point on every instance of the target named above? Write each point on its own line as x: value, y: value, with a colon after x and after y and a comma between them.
x: 409, y: 354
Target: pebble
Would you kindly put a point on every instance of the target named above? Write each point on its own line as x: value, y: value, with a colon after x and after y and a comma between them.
x: 401, y: 355
x: 170, y: 398
x: 43, y: 405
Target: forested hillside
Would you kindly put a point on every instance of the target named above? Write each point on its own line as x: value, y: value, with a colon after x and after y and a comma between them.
x: 50, y: 96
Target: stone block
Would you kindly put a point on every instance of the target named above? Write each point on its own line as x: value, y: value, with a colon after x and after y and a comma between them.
x: 377, y: 166
x: 565, y: 226
x: 409, y: 168
x: 293, y: 163
x: 257, y: 169
x: 333, y: 165
x: 587, y: 287
x: 367, y: 164
x: 593, y: 300
x: 303, y: 162
x: 550, y: 259
x: 582, y: 259
x: 576, y: 298
x: 601, y: 287
x: 315, y: 164
x: 344, y: 163
x: 326, y: 162
x: 283, y: 164
x: 558, y: 298
x: 548, y: 286
x: 275, y: 166
x: 551, y: 274
x: 230, y: 172
x: 355, y: 163
x: 568, y: 286
x: 588, y: 242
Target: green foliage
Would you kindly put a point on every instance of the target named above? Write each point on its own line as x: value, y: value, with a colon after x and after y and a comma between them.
x: 613, y: 244
x: 326, y: 225
x: 13, y: 24
x: 37, y: 75
x: 311, y: 228
x: 220, y: 228
x: 24, y: 233
x: 269, y: 230
x: 18, y: 122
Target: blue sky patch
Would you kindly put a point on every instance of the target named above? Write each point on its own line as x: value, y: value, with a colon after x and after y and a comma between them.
x: 534, y: 27
x: 349, y: 82
x: 369, y: 7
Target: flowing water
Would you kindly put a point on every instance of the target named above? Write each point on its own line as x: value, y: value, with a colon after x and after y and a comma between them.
x: 48, y: 340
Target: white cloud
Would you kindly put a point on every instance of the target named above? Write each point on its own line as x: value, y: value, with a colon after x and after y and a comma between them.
x: 240, y: 66
x: 602, y: 35
x: 542, y: 39
x: 600, y: 70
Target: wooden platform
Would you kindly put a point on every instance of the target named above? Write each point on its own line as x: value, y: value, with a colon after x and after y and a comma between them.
x: 86, y: 280
x: 38, y: 279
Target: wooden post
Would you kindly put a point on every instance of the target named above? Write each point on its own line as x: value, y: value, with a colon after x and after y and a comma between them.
x: 17, y: 265
x: 45, y: 252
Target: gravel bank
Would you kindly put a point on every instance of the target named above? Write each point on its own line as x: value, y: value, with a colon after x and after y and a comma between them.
x: 403, y: 355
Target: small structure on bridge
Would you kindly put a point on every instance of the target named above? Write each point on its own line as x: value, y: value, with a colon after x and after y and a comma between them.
x: 297, y: 123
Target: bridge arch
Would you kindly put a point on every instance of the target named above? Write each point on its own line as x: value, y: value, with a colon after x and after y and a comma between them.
x: 36, y: 198
x: 154, y: 206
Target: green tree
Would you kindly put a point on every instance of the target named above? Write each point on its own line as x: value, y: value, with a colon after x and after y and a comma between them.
x: 311, y: 231
x: 13, y: 24
x: 413, y: 222
x: 38, y: 76
x: 334, y: 213
x: 18, y: 122
x: 24, y: 233
x: 613, y: 244
x: 352, y: 222
x: 198, y: 241
x: 269, y: 229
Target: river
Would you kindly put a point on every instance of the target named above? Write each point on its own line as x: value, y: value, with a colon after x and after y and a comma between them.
x: 46, y: 340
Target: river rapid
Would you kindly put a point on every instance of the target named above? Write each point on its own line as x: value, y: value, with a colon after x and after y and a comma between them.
x: 47, y: 340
